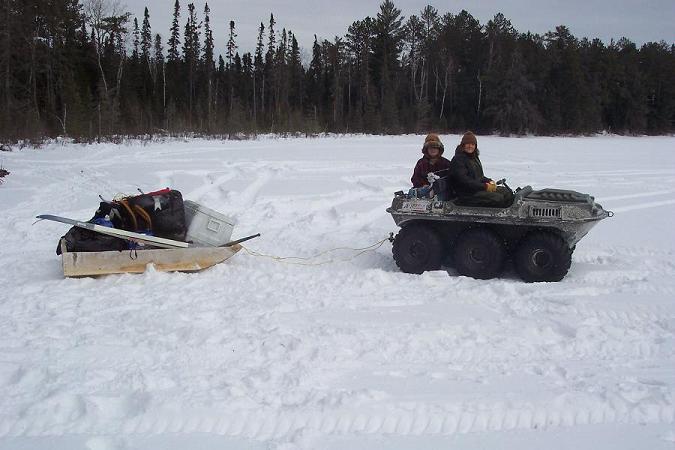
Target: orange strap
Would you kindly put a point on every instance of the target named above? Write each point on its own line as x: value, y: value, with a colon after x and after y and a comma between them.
x: 144, y: 215
x: 125, y: 204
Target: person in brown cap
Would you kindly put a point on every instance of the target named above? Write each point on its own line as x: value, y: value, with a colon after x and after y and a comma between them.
x: 432, y: 161
x: 468, y: 180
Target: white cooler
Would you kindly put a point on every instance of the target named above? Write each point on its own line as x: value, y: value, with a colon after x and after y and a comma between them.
x: 206, y: 227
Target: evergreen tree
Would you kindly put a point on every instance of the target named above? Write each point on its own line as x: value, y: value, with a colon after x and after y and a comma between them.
x: 281, y: 76
x: 513, y: 110
x: 296, y: 74
x: 627, y: 106
x: 209, y: 67
x: 271, y: 42
x: 359, y: 43
x: 658, y: 65
x: 430, y: 20
x: 501, y: 44
x: 174, y: 39
x: 335, y: 63
x: 146, y: 38
x: 207, y: 49
x: 231, y: 44
x: 414, y: 61
x: 231, y: 70
x: 245, y: 83
x: 387, y: 45
x: 137, y: 41
x: 315, y: 86
x: 270, y: 74
x: 159, y: 73
x: 191, y: 57
x: 235, y: 120
x: 144, y: 74
x: 462, y: 76
x: 570, y: 103
x: 258, y: 73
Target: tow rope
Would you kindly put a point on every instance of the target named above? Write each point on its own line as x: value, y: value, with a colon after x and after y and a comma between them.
x: 306, y: 260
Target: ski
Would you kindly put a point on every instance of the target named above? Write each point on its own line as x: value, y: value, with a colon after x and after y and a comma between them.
x: 122, y: 234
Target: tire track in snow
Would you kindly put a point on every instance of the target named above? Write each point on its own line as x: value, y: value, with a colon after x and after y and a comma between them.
x: 622, y: 209
x: 317, y: 204
x: 249, y: 194
x: 567, y: 320
x: 528, y: 299
x: 394, y: 421
x: 637, y: 195
x: 626, y: 173
x: 201, y: 191
x: 619, y: 264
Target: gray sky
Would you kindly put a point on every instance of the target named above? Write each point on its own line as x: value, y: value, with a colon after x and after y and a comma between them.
x: 640, y: 21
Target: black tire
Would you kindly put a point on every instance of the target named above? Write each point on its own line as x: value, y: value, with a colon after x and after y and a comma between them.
x: 542, y: 256
x: 417, y: 248
x: 479, y: 253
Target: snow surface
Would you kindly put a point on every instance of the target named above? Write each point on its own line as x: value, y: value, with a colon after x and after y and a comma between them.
x: 339, y: 351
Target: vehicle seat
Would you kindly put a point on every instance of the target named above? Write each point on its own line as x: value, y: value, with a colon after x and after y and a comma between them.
x: 443, y: 189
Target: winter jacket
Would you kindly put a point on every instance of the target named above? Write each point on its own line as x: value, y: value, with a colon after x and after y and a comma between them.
x: 466, y: 173
x: 424, y: 166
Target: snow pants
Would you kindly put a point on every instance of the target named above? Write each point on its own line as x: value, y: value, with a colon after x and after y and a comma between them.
x: 501, y: 198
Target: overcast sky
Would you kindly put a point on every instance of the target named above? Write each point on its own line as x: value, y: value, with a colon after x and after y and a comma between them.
x: 640, y: 21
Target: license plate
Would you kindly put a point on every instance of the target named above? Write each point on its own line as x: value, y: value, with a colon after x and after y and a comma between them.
x: 416, y: 206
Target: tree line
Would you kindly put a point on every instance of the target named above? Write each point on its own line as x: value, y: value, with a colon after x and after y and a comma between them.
x: 90, y: 70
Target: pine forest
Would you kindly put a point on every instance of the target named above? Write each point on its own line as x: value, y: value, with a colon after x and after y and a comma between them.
x: 90, y: 70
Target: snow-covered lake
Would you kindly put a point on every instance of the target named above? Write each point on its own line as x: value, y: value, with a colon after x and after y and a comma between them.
x: 339, y: 351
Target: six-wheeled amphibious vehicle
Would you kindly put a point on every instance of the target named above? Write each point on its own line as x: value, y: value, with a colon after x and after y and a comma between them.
x: 538, y: 232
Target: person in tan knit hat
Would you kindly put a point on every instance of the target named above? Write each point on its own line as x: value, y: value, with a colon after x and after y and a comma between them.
x: 470, y: 184
x: 432, y: 161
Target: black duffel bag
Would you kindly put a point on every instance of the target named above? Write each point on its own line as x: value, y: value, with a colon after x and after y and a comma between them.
x: 81, y: 240
x: 160, y: 212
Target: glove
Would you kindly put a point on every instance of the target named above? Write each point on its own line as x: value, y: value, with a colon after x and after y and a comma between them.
x: 431, y: 177
x: 491, y: 186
